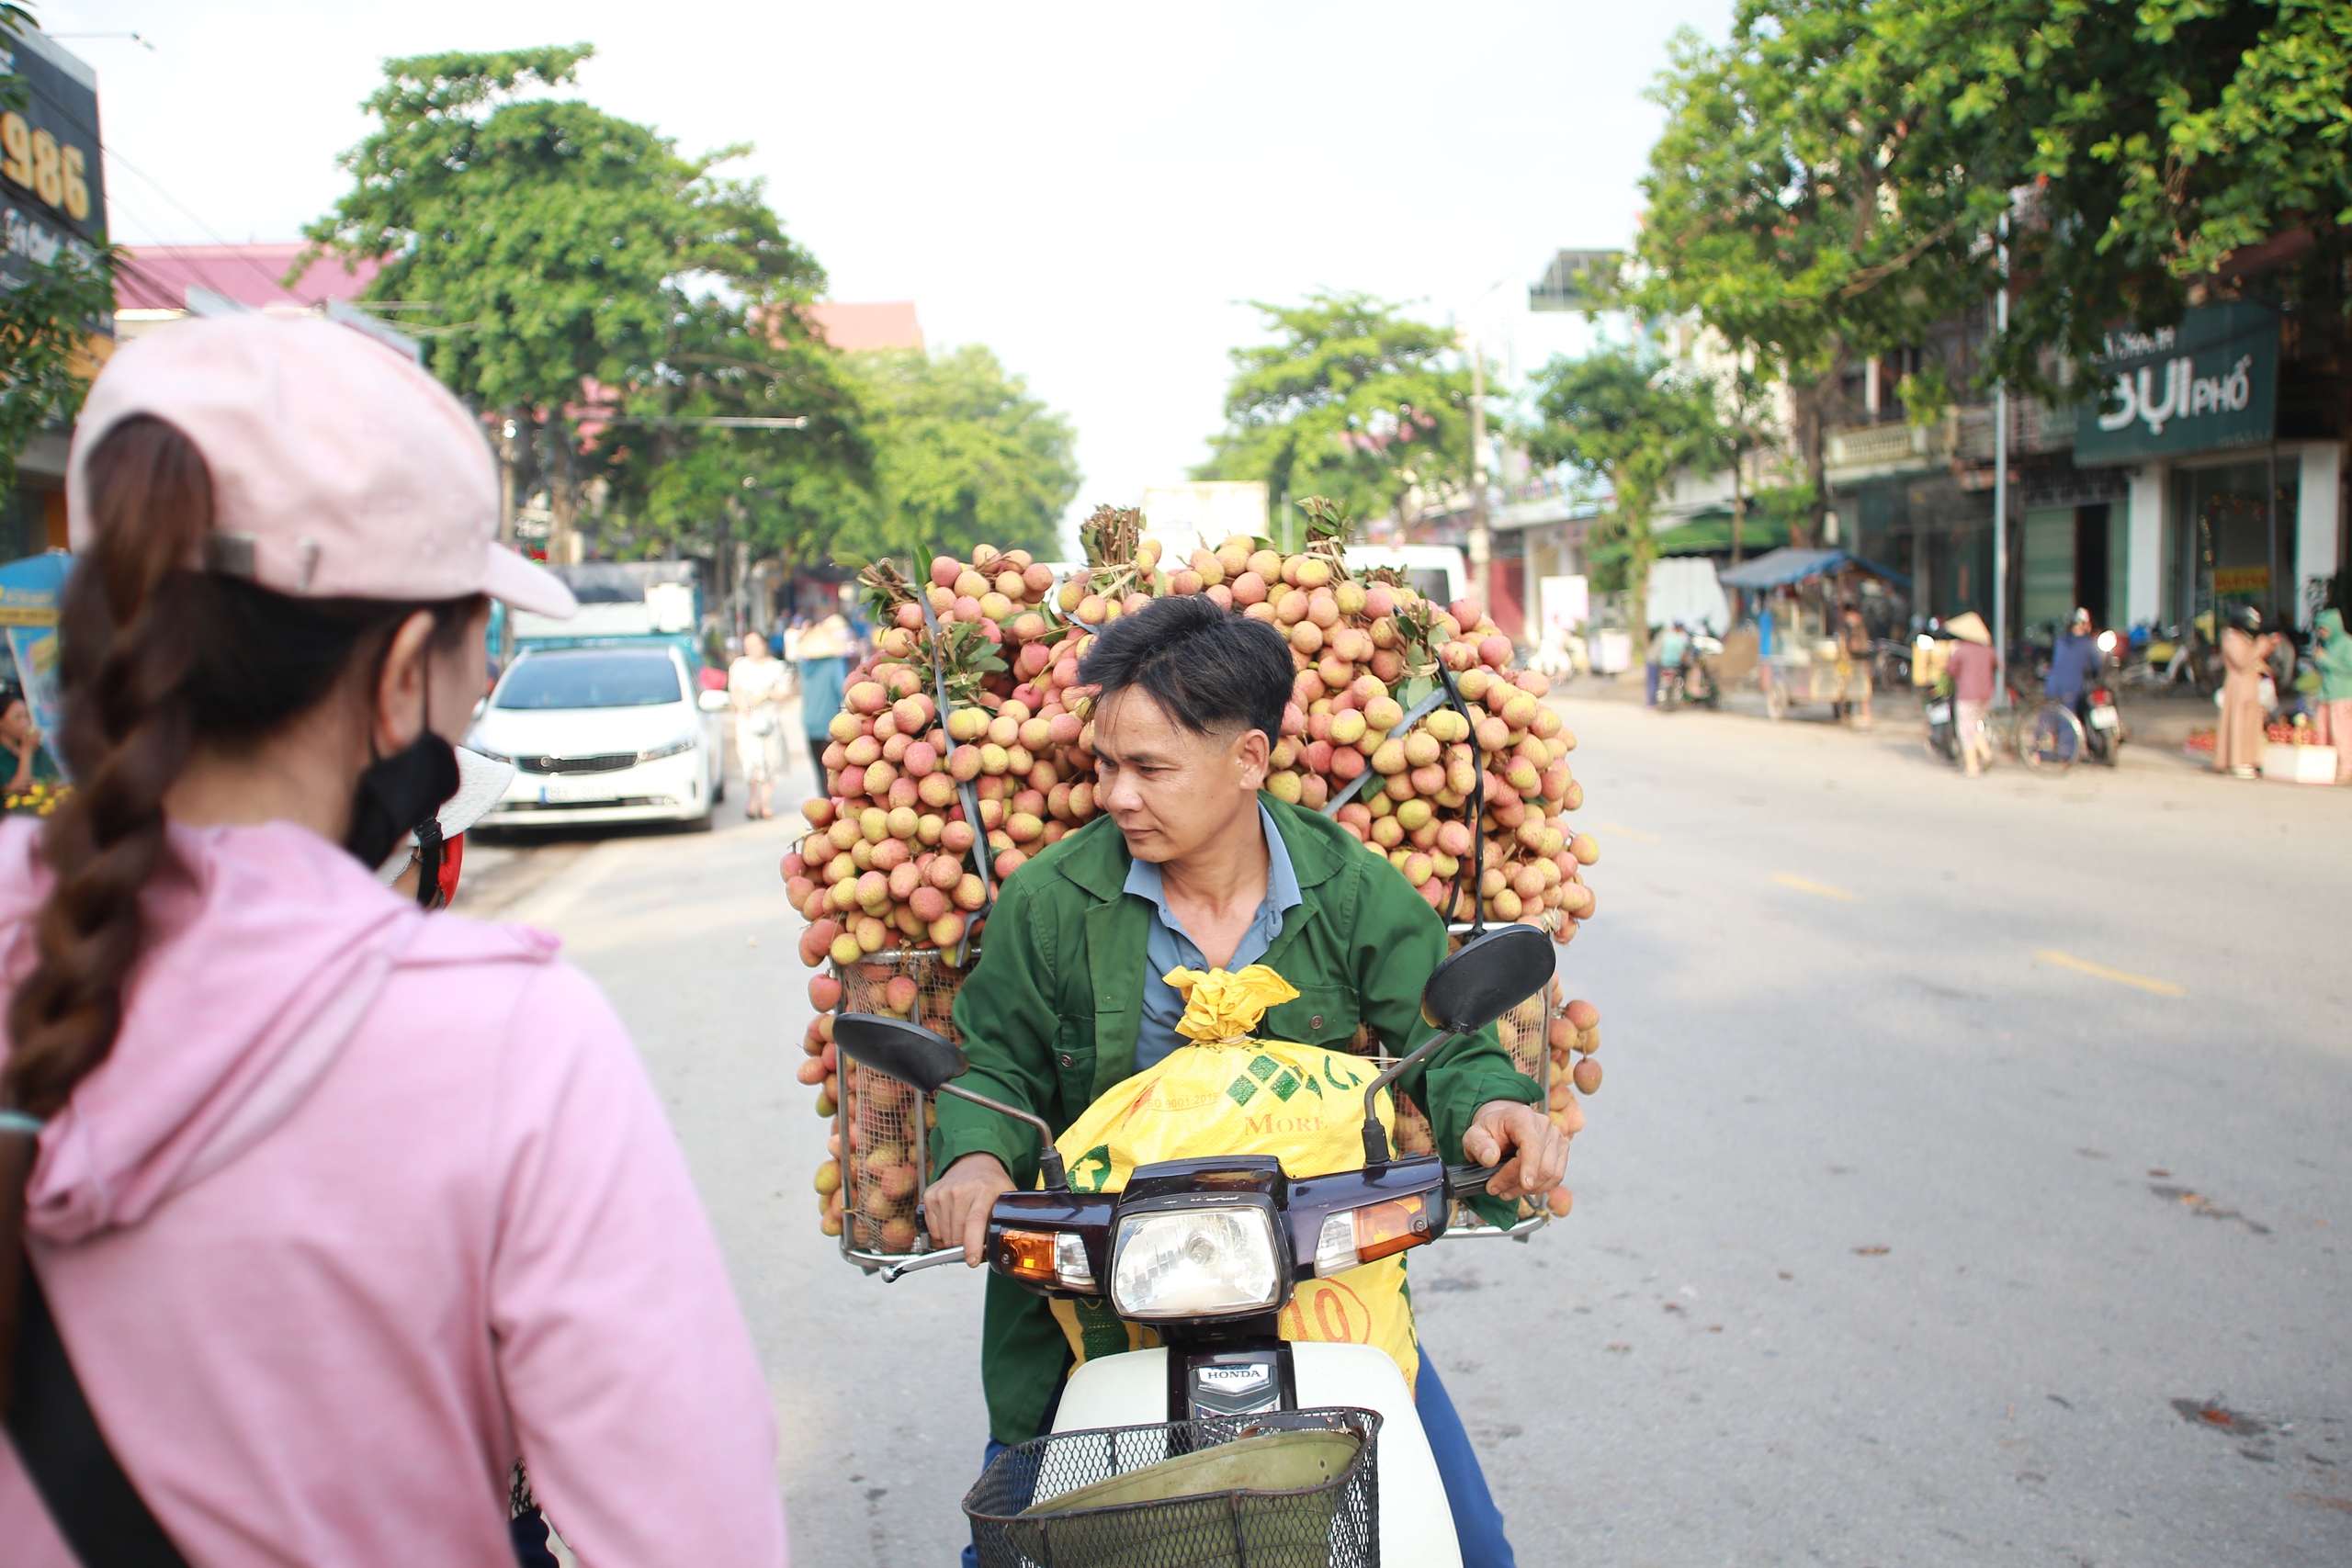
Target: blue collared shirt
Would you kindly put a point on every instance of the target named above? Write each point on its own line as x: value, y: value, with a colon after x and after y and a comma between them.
x: 1168, y: 946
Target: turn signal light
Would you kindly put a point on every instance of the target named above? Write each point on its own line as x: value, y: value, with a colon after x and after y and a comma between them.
x: 1353, y: 1236
x: 1044, y: 1257
x: 1026, y: 1254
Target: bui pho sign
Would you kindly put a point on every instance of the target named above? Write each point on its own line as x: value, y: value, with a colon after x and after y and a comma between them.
x: 2207, y: 384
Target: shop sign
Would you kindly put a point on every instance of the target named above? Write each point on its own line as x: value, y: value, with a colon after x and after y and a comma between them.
x: 2207, y: 384
x: 52, y: 185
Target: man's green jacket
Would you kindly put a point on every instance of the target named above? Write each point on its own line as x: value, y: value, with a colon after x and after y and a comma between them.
x: 1049, y: 1017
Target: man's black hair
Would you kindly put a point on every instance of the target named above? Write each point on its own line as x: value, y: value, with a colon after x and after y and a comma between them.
x: 1213, y: 670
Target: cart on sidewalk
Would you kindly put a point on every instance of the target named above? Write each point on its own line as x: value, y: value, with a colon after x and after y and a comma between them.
x: 1800, y: 659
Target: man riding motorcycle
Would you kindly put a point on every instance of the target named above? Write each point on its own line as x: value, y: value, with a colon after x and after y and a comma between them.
x: 1191, y: 866
x: 2074, y: 666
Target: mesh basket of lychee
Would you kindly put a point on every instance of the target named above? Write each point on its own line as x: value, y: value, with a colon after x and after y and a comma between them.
x: 877, y: 1156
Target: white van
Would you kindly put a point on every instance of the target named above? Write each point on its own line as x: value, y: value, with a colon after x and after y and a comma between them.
x: 1435, y: 572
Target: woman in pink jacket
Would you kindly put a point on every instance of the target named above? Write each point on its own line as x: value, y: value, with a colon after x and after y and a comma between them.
x: 338, y: 1208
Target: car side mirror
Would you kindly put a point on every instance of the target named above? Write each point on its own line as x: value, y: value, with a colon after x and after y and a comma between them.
x: 713, y: 701
x: 912, y: 1054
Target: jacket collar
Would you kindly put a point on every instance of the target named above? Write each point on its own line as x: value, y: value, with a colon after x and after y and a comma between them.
x: 1098, y: 858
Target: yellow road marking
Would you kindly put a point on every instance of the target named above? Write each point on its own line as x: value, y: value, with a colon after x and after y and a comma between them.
x: 2120, y: 976
x: 1633, y: 833
x: 1818, y: 889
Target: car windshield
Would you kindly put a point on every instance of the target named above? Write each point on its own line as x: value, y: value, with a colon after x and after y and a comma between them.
x: 592, y: 680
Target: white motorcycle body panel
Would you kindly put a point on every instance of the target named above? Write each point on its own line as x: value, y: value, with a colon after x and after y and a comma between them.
x: 1415, y: 1524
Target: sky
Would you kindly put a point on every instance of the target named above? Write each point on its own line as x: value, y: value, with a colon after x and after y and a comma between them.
x: 1095, y: 192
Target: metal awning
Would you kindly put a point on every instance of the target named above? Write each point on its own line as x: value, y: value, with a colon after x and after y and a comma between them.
x: 1783, y: 567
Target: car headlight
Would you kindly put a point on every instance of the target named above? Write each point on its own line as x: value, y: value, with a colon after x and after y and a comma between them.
x: 474, y: 744
x: 1196, y: 1263
x: 684, y: 743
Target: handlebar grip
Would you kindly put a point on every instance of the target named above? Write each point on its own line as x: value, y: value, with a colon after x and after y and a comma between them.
x: 1468, y: 1181
x: 891, y: 1271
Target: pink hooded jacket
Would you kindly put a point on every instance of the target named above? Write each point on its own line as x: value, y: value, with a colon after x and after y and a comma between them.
x: 366, y: 1205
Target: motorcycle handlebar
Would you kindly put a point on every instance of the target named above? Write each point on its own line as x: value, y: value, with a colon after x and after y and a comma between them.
x: 891, y: 1271
x: 1468, y: 1181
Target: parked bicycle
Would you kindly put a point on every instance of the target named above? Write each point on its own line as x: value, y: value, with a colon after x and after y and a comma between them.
x: 2048, y: 738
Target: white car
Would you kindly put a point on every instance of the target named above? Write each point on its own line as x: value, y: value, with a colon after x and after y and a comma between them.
x: 603, y: 735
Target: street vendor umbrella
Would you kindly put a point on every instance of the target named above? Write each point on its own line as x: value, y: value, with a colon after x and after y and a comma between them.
x: 1969, y: 626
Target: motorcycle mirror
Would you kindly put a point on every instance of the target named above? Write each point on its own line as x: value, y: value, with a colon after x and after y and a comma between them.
x: 912, y: 1054
x: 1491, y: 975
x: 898, y: 1049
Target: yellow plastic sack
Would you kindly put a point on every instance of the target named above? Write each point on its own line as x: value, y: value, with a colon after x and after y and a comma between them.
x: 1230, y: 1093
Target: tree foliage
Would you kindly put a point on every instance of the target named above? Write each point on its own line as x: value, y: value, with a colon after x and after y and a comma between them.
x: 1625, y: 418
x: 555, y: 257
x: 1771, y: 216
x: 1353, y: 400
x: 1836, y: 173
x: 2133, y: 146
x: 964, y: 454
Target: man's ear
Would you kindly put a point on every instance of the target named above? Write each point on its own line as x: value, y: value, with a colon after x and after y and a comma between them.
x: 1253, y: 754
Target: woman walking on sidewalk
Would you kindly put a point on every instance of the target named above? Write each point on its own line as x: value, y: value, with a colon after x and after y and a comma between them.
x: 324, y: 1210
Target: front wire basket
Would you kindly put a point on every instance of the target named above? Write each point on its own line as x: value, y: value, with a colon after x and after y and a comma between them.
x: 884, y: 1124
x: 1334, y: 1524
x: 1525, y: 1034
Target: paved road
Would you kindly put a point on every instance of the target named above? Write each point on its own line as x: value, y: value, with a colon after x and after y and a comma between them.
x: 1969, y: 1186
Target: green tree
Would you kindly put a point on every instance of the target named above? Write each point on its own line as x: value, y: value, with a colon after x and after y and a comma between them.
x: 1623, y: 417
x: 1770, y: 216
x: 964, y: 454
x: 50, y: 312
x: 1354, y: 400
x: 547, y: 249
x: 2140, y: 150
x: 677, y: 481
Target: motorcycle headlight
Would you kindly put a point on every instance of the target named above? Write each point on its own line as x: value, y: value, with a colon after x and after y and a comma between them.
x: 684, y: 743
x: 1196, y: 1263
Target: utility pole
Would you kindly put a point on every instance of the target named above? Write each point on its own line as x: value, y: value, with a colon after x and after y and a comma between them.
x: 2001, y: 482
x: 1482, y: 541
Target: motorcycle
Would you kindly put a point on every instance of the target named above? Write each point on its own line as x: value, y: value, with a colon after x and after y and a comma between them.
x: 1204, y: 1252
x: 2103, y: 731
x: 1943, y: 728
x: 1691, y: 680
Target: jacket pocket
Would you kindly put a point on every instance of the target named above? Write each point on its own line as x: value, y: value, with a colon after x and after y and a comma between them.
x: 1318, y: 1015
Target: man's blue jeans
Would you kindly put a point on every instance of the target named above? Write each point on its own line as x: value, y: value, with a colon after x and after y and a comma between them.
x: 1477, y: 1522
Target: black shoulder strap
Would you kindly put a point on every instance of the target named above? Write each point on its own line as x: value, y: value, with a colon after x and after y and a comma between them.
x: 95, y: 1505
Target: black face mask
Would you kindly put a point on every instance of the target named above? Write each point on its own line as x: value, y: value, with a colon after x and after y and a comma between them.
x: 397, y: 793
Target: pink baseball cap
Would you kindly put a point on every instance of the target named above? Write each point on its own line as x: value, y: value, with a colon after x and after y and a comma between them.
x: 340, y: 467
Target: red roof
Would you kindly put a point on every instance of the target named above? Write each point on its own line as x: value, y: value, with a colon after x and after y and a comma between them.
x: 888, y: 324
x: 157, y: 277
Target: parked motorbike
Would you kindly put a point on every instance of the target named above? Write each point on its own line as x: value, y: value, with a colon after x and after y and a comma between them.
x: 1205, y: 1253
x: 2103, y: 731
x: 1943, y: 728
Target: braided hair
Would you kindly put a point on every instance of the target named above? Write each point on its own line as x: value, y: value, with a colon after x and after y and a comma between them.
x: 155, y: 660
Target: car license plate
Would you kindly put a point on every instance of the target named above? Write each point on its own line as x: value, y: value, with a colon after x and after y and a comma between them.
x: 2102, y: 719
x: 576, y: 792
x: 1939, y: 713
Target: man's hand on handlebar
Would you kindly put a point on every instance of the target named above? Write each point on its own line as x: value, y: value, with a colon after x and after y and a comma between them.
x: 1537, y: 1154
x: 957, y: 1206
